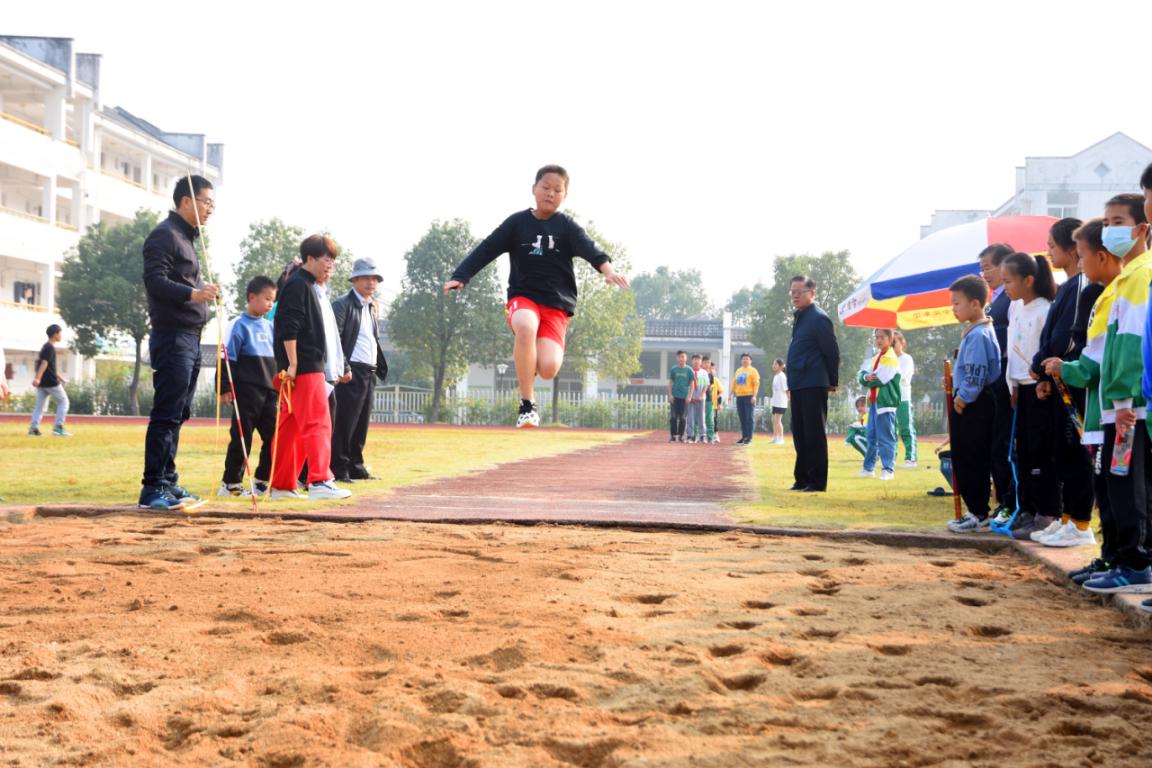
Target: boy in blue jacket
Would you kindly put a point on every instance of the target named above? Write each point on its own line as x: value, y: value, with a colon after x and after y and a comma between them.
x: 972, y: 424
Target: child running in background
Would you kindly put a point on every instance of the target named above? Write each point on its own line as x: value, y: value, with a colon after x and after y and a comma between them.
x: 252, y: 363
x: 1064, y: 334
x: 541, y: 243
x: 716, y: 401
x: 779, y: 400
x: 857, y: 436
x: 972, y: 425
x: 905, y: 417
x: 1029, y: 284
x: 882, y: 378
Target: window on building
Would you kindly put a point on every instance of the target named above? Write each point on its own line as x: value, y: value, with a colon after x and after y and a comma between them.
x: 1062, y: 205
x: 25, y: 293
x: 650, y: 365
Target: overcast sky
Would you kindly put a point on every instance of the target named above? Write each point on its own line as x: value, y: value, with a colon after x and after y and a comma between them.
x: 699, y: 135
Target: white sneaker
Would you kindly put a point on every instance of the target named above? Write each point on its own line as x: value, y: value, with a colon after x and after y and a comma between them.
x: 233, y: 489
x: 327, y: 490
x: 867, y: 473
x: 529, y: 415
x: 1052, y: 529
x: 910, y: 465
x: 716, y: 440
x: 281, y: 493
x: 887, y: 474
x: 777, y: 442
x: 968, y: 524
x: 1069, y: 536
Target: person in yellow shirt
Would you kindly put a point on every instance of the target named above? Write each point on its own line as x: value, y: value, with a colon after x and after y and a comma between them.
x: 714, y: 402
x: 745, y: 385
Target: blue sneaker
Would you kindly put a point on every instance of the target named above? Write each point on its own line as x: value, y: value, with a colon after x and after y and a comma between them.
x: 157, y: 498
x: 1121, y: 580
x: 1093, y: 570
x: 1146, y: 606
x: 181, y: 494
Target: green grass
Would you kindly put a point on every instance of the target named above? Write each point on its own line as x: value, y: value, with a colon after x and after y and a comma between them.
x: 850, y: 502
x: 101, y: 464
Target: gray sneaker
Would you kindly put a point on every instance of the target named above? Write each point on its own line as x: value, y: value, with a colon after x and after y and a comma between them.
x: 968, y: 524
x: 1023, y: 531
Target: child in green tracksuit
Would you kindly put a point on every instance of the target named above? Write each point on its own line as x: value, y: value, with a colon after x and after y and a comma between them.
x: 857, y: 436
x: 882, y: 378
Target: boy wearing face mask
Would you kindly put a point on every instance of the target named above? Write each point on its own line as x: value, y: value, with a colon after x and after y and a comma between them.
x: 1121, y: 376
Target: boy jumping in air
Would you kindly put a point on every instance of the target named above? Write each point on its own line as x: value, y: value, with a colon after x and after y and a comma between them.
x: 541, y: 243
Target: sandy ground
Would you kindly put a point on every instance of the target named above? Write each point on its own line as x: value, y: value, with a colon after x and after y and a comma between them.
x: 130, y: 640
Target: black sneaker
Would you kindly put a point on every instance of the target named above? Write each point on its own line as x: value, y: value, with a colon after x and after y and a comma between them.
x: 1094, y: 568
x: 529, y: 415
x: 672, y: 439
x: 1023, y: 526
x: 34, y: 432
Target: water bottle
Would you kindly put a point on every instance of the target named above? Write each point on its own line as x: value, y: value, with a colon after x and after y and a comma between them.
x: 1122, y: 450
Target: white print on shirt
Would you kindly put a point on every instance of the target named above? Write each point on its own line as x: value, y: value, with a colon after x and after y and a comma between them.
x: 538, y: 246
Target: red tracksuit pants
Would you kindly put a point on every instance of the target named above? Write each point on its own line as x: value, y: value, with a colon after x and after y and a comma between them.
x: 304, y: 433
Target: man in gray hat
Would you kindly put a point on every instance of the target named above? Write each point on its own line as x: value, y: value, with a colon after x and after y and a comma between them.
x: 357, y: 322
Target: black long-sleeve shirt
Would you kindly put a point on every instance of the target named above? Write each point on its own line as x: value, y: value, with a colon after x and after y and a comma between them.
x: 299, y: 318
x: 1066, y: 330
x: 814, y: 353
x: 541, y: 252
x: 171, y: 273
x: 998, y: 311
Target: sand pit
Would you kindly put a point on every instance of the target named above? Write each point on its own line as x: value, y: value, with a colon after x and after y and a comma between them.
x: 133, y: 640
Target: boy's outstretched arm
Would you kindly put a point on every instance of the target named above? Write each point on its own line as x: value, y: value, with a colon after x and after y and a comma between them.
x: 612, y: 276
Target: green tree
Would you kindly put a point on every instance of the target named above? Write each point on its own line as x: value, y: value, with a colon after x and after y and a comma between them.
x: 745, y: 302
x: 443, y: 334
x: 835, y: 279
x: 269, y: 246
x: 670, y: 295
x: 101, y: 293
x: 605, y: 334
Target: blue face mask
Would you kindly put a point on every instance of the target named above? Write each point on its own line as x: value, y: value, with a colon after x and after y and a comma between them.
x: 1118, y: 240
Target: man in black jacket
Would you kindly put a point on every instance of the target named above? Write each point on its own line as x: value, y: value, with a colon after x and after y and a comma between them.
x: 813, y: 372
x: 357, y: 322
x: 178, y: 308
x: 990, y: 260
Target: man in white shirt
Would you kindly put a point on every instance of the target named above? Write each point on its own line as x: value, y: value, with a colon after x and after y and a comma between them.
x: 905, y: 417
x: 357, y: 325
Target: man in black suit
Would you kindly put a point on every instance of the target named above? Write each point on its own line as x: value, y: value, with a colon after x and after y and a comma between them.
x: 357, y: 321
x: 813, y: 373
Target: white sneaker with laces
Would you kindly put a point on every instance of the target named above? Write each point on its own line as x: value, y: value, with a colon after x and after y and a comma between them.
x: 529, y: 416
x: 281, y: 493
x: 327, y: 490
x: 909, y: 464
x: 968, y: 524
x: 1069, y: 536
x: 1052, y: 529
x: 887, y: 474
x: 867, y: 473
x: 233, y: 489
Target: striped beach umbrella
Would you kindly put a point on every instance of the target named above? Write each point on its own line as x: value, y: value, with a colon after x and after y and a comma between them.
x: 911, y: 291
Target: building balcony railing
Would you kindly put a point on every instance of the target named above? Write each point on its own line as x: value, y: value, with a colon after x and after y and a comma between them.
x: 66, y: 226
x: 22, y: 122
x: 23, y: 215
x: 124, y: 179
x: 23, y: 306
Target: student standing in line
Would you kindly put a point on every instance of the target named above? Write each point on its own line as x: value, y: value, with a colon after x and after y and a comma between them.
x: 779, y: 400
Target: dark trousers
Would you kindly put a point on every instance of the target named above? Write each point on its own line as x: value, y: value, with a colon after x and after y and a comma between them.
x: 350, y: 427
x: 971, y: 433
x: 1036, y: 478
x: 1073, y: 461
x: 676, y: 420
x: 175, y: 356
x: 746, y: 411
x: 254, y: 410
x: 1124, y: 501
x: 809, y: 435
x: 1002, y: 442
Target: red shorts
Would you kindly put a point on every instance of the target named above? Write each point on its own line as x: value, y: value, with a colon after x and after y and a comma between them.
x: 553, y: 322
